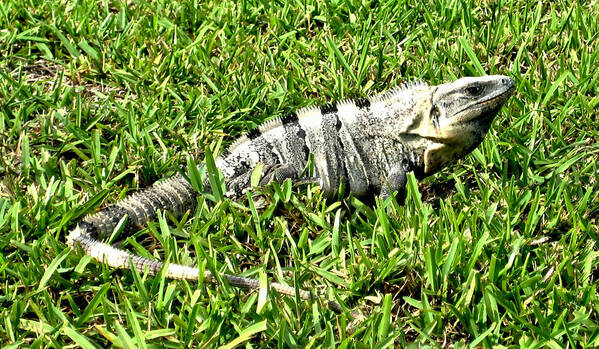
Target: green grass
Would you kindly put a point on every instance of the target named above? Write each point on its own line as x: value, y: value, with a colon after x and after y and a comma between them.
x: 98, y: 99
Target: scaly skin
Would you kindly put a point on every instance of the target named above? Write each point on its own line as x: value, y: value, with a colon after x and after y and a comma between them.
x: 414, y: 127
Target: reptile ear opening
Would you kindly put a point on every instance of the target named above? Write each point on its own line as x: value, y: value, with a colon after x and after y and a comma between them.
x: 435, y: 115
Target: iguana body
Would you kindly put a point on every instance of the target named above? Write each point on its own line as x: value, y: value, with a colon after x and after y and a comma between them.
x: 370, y: 143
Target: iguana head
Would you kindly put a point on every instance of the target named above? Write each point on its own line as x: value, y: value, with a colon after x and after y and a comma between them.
x: 460, y: 116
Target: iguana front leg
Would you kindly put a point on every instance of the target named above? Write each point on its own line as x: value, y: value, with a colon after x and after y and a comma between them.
x: 396, y: 181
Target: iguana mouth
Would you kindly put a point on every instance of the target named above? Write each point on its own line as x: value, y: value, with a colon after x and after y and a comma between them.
x: 504, y: 95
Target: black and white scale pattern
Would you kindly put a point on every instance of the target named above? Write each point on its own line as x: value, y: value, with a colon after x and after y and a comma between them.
x: 371, y: 143
x: 341, y: 136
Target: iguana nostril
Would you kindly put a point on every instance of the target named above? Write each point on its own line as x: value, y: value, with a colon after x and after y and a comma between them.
x: 508, y: 81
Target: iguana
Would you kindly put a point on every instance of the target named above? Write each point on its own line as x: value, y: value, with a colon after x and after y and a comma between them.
x: 370, y: 143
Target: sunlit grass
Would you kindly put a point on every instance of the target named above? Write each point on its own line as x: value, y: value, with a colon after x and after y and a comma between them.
x: 98, y: 99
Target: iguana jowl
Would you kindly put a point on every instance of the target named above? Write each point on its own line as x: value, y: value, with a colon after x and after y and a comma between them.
x: 371, y: 143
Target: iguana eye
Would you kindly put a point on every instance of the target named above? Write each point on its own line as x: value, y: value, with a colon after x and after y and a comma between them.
x: 474, y: 90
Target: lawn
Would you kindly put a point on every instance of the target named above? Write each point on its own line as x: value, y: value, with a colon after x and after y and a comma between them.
x: 101, y: 98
